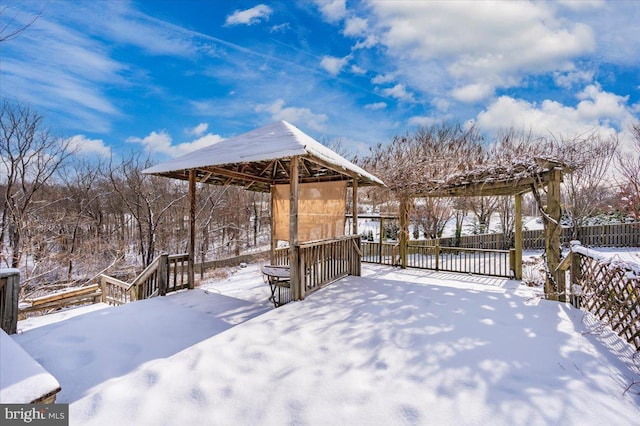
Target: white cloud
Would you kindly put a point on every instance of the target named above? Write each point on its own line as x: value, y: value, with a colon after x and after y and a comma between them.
x: 476, y: 44
x: 355, y: 26
x: 332, y: 10
x: 582, y: 4
x: 201, y: 142
x: 250, y: 16
x: 423, y: 121
x: 376, y: 106
x: 82, y: 145
x: 280, y: 28
x: 357, y: 70
x: 199, y: 129
x: 399, y: 91
x: 569, y: 79
x: 334, y: 65
x: 294, y: 115
x: 370, y: 41
x: 383, y: 78
x: 154, y: 142
x: 441, y: 104
x: 161, y: 142
x: 596, y: 110
x: 472, y: 92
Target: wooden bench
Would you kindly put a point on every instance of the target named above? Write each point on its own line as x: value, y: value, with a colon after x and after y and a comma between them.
x: 279, y: 279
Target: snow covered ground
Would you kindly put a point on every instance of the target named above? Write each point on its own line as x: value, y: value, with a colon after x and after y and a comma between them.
x: 390, y: 347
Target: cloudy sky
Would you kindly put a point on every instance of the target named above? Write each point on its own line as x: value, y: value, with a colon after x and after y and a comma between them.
x: 170, y: 76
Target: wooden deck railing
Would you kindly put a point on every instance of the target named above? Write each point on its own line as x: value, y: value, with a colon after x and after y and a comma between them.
x: 9, y: 291
x: 324, y: 262
x: 384, y: 254
x: 281, y: 256
x: 165, y: 274
x: 500, y: 263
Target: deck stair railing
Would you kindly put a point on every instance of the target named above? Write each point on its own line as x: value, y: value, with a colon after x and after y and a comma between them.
x: 165, y: 274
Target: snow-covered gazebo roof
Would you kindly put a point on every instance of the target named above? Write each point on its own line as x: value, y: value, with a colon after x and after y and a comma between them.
x: 260, y: 158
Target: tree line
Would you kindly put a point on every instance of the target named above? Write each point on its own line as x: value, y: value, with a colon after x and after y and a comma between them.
x: 65, y: 218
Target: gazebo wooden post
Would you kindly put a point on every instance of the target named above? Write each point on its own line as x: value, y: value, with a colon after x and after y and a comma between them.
x: 518, y: 243
x: 354, y: 207
x: 294, y: 254
x: 356, y: 262
x: 274, y: 242
x: 192, y: 230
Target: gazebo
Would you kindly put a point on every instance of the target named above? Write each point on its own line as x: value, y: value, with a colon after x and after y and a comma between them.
x: 308, y: 184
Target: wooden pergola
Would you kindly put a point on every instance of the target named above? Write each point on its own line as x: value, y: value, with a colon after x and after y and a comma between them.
x: 506, y: 180
x: 276, y: 154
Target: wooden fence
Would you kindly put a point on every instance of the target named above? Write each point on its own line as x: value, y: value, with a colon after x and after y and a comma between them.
x: 422, y: 255
x: 611, y: 235
x: 609, y: 290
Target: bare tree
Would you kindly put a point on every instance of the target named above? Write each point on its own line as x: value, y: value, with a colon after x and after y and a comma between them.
x: 432, y: 215
x: 146, y: 198
x: 591, y: 156
x: 629, y: 169
x: 30, y: 157
x: 10, y: 24
x: 506, y: 210
x: 482, y: 208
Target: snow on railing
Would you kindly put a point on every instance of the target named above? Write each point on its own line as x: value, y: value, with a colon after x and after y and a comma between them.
x: 608, y: 287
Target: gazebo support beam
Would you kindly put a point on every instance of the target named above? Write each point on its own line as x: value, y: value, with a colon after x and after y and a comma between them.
x: 294, y: 254
x: 274, y: 242
x: 192, y: 230
x: 354, y: 207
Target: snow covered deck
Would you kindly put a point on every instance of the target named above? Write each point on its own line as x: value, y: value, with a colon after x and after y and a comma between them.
x: 391, y: 347
x: 22, y: 379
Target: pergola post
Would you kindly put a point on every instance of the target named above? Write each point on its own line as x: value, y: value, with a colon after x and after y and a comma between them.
x: 294, y: 254
x: 404, y: 230
x: 381, y: 238
x: 555, y: 282
x: 191, y: 250
x: 518, y: 243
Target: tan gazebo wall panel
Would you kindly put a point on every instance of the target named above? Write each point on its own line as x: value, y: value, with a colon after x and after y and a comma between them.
x: 321, y: 211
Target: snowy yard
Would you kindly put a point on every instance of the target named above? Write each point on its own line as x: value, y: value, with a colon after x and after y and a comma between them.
x: 391, y: 347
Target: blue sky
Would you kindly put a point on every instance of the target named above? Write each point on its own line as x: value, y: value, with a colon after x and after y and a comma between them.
x: 171, y: 76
